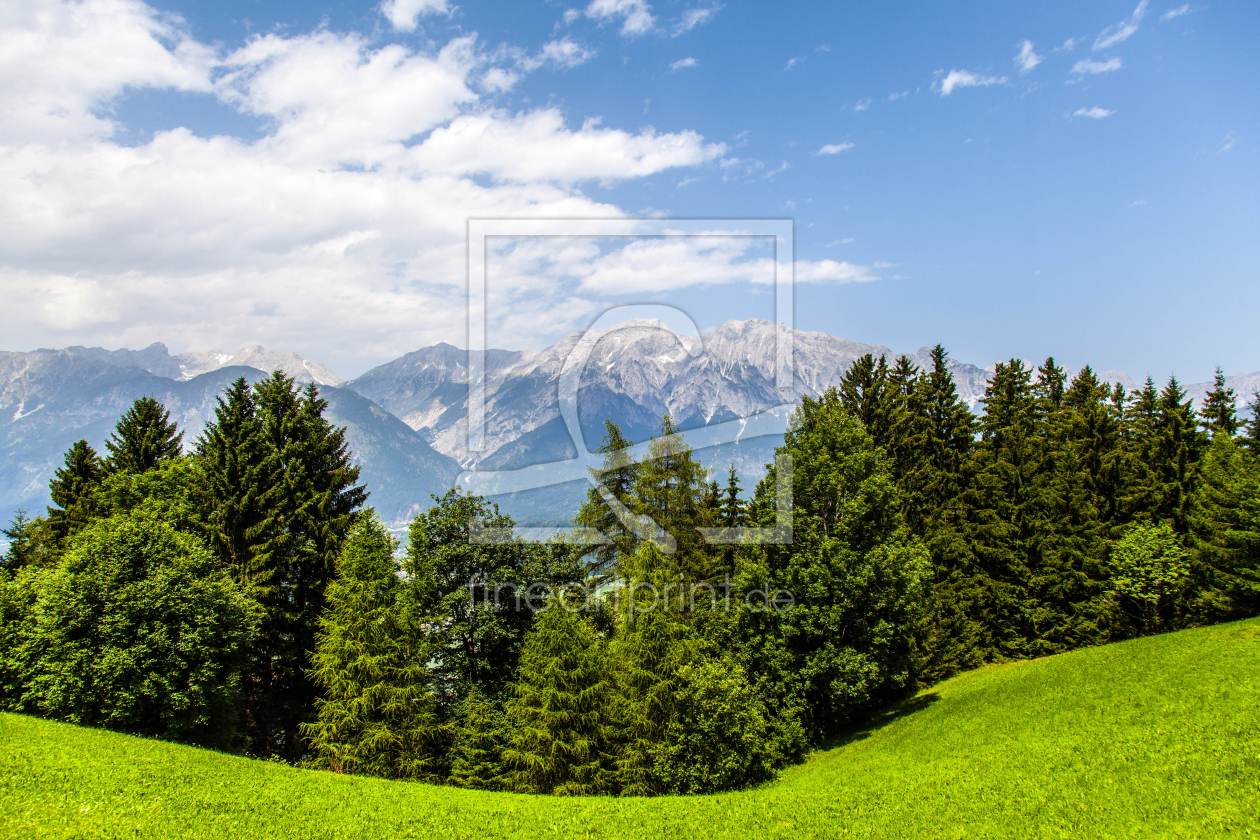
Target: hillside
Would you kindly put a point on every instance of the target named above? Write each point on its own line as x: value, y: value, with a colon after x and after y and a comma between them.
x: 1156, y: 737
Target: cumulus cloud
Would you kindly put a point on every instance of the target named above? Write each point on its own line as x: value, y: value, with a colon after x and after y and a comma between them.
x: 1026, y: 59
x: 1091, y: 67
x: 1177, y: 12
x: 965, y: 78
x: 654, y: 264
x: 834, y: 148
x: 1123, y: 30
x: 684, y: 63
x: 403, y: 14
x: 1094, y: 113
x: 340, y: 230
x: 636, y: 15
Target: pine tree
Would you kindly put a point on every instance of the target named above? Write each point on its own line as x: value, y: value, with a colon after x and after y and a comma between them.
x: 557, y: 718
x: 240, y: 472
x: 670, y: 488
x: 618, y: 477
x: 1251, y: 438
x: 865, y: 391
x: 376, y: 715
x: 310, y: 508
x: 942, y: 440
x: 144, y: 437
x: 480, y: 737
x: 1219, y: 412
x: 1178, y: 446
x: 73, y: 488
x: 1224, y: 538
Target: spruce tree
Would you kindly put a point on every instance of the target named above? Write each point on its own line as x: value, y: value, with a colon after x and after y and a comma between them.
x: 1251, y: 437
x: 73, y: 488
x: 558, y: 727
x: 143, y: 438
x: 241, y: 474
x: 310, y: 508
x: 942, y: 439
x: 1219, y: 413
x: 1224, y: 538
x: 670, y: 488
x: 865, y: 391
x: 376, y: 715
x: 480, y: 737
x: 1178, y: 446
x: 617, y: 476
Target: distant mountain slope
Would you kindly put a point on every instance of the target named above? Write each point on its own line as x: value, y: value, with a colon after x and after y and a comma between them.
x: 51, y: 398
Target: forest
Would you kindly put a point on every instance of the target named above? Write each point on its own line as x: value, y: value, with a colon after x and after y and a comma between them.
x: 238, y: 592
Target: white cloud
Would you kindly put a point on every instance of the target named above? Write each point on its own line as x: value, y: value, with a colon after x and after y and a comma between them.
x: 1137, y: 202
x: 1068, y: 45
x: 792, y: 62
x: 62, y: 63
x: 1026, y: 59
x: 692, y: 18
x: 862, y: 105
x: 563, y: 53
x: 893, y: 97
x: 1087, y: 65
x: 653, y: 264
x: 1123, y: 30
x: 636, y: 15
x: 964, y: 78
x: 403, y: 14
x: 1231, y: 140
x: 1177, y: 12
x: 341, y: 228
x: 684, y: 63
x: 1094, y: 113
x: 834, y: 148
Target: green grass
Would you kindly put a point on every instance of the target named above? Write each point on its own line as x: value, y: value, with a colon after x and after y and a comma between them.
x: 1157, y: 737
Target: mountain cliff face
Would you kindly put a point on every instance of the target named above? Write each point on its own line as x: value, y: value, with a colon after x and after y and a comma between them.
x: 51, y: 398
x: 634, y: 375
x: 406, y: 420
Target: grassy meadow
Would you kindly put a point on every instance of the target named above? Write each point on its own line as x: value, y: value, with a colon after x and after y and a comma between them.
x: 1157, y: 737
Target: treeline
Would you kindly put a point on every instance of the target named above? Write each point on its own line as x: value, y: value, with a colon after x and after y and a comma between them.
x: 242, y: 596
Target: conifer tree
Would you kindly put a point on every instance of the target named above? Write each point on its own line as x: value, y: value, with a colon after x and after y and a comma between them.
x: 941, y: 442
x: 1251, y: 436
x: 670, y: 488
x: 1224, y: 538
x: 618, y: 477
x: 310, y: 508
x: 557, y: 716
x: 1219, y: 412
x: 376, y: 715
x: 865, y: 391
x: 480, y: 737
x: 73, y: 488
x: 1178, y: 446
x: 144, y: 437
x: 241, y: 478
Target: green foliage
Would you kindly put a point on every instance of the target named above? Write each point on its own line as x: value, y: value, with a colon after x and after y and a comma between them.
x: 1219, y: 412
x: 721, y: 735
x: 557, y: 716
x: 480, y: 737
x: 854, y: 569
x: 475, y: 593
x: 144, y: 437
x: 1155, y: 737
x: 140, y: 630
x: 32, y: 542
x: 1150, y: 567
x: 377, y: 713
x: 618, y: 475
x: 1225, y: 534
x: 73, y: 489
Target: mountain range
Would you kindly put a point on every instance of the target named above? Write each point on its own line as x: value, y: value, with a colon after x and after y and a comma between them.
x: 406, y: 420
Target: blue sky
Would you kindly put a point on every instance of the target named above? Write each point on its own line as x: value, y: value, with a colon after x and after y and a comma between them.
x: 1078, y: 179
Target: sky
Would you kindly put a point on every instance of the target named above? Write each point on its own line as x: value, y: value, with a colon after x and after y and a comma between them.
x: 1077, y: 179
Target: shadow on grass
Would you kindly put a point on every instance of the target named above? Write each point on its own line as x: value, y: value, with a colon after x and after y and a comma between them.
x: 878, y: 721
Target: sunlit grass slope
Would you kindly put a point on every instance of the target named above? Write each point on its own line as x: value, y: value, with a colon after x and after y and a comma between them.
x: 1158, y: 737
